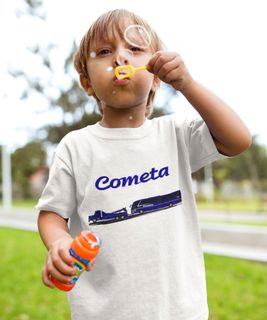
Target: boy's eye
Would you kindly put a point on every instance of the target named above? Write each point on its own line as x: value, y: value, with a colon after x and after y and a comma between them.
x: 135, y: 49
x: 103, y: 52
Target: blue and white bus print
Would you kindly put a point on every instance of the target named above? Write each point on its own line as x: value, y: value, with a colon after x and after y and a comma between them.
x: 139, y: 207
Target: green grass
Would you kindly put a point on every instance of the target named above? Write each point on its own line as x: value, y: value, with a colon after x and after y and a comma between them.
x: 23, y: 296
x: 241, y: 205
x: 236, y: 288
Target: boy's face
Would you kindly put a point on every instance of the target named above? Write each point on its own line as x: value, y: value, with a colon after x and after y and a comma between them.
x: 103, y: 58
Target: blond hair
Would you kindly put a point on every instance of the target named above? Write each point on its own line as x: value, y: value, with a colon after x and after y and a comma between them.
x: 114, y: 21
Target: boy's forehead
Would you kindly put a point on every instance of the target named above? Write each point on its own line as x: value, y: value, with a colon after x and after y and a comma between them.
x: 112, y: 31
x: 107, y: 37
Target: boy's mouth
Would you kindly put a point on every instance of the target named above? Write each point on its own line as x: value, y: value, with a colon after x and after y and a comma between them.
x: 122, y: 75
x: 121, y: 82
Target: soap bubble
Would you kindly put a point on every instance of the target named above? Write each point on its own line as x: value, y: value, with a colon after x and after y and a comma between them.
x: 124, y: 57
x: 137, y: 36
x: 92, y: 54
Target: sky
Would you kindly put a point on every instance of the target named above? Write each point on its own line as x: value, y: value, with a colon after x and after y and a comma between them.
x: 223, y: 44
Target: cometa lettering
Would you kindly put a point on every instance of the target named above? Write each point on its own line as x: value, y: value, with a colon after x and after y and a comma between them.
x: 104, y: 182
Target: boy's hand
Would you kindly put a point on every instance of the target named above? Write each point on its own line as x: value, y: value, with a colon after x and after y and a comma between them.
x: 90, y: 265
x: 59, y: 263
x: 170, y: 68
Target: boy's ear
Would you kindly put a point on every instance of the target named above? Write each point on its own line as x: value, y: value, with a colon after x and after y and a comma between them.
x: 156, y: 83
x: 85, y: 82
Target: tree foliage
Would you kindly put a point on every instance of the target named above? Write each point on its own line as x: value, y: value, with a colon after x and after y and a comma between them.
x: 25, y: 161
x: 250, y: 165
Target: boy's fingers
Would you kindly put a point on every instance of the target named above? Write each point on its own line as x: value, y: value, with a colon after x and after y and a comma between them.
x: 162, y: 63
x: 160, y: 60
x: 46, y: 279
x: 165, y: 71
x: 90, y: 265
x: 55, y: 273
x: 65, y: 256
x: 151, y: 63
x: 56, y: 262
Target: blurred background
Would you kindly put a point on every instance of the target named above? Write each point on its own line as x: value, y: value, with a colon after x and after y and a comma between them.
x: 223, y: 46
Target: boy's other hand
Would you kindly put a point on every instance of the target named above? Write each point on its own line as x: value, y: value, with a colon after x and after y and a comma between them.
x: 59, y: 263
x: 90, y: 265
x: 170, y: 68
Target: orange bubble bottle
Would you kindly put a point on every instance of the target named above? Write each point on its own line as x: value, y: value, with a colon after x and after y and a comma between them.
x: 84, y: 249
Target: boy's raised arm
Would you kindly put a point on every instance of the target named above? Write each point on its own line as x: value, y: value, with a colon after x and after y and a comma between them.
x: 230, y: 134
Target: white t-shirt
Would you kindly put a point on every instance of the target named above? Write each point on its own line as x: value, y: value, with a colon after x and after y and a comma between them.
x: 134, y: 186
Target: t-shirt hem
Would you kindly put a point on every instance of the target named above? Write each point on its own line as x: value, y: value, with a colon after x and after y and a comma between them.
x: 53, y: 209
x: 204, y: 315
x: 209, y: 159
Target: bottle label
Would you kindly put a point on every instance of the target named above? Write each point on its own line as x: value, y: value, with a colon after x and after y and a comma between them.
x: 78, y: 265
x: 83, y: 261
x: 78, y: 269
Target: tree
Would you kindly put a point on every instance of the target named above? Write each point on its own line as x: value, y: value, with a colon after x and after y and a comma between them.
x: 25, y: 161
x: 250, y: 165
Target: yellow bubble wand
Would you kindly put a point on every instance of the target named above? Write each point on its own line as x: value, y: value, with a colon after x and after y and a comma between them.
x: 131, y: 70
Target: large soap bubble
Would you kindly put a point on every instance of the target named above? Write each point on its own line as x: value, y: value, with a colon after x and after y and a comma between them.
x: 137, y: 36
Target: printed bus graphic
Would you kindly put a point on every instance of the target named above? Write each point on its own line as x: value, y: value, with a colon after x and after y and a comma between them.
x: 138, y: 208
x: 156, y: 203
x: 105, y: 217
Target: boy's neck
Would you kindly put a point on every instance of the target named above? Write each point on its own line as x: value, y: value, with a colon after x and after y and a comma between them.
x: 126, y: 118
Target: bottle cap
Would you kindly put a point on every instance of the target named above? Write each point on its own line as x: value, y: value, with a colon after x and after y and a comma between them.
x: 86, y: 245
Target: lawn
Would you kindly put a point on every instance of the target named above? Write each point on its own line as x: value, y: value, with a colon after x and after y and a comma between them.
x: 22, y: 295
x: 241, y: 205
x: 235, y: 204
x: 236, y: 288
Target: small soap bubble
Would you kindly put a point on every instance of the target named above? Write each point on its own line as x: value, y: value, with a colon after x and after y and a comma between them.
x: 92, y: 54
x: 109, y: 69
x: 130, y: 117
x: 113, y: 92
x: 124, y: 57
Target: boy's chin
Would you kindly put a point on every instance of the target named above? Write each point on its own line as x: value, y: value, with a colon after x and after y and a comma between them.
x: 120, y: 108
x: 123, y: 104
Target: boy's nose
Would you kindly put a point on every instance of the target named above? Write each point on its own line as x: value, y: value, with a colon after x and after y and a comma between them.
x: 122, y: 57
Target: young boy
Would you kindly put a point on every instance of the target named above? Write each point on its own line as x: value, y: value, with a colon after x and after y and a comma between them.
x: 130, y: 179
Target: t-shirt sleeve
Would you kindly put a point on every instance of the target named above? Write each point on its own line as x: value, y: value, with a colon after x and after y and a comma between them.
x: 201, y: 147
x: 59, y: 194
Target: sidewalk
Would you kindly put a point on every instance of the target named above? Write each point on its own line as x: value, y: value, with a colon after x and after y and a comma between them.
x: 233, y: 240
x: 223, y: 237
x: 229, y: 216
x: 25, y: 219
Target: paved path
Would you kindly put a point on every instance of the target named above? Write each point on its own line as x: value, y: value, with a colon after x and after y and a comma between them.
x: 222, y: 237
x: 241, y: 241
x: 25, y: 219
x: 229, y: 216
